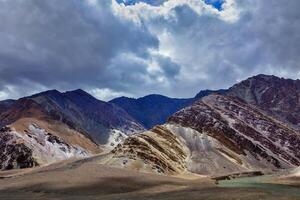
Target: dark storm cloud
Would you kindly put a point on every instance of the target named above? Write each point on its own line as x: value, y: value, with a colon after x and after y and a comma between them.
x: 84, y: 44
x: 169, y: 67
x: 216, y: 54
x: 65, y: 44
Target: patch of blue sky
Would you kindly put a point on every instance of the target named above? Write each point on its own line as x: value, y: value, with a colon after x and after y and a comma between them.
x: 132, y: 2
x: 215, y: 3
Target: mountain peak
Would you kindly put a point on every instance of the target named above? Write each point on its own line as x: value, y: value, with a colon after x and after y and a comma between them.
x: 154, y: 97
x: 204, y: 93
x: 78, y: 91
x: 270, y: 78
x: 56, y: 93
x: 278, y: 96
x: 266, y: 76
x: 48, y: 92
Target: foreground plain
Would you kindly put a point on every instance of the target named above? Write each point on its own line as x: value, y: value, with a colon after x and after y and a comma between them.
x: 88, y: 179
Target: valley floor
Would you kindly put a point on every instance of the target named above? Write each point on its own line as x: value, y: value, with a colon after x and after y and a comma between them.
x: 87, y: 179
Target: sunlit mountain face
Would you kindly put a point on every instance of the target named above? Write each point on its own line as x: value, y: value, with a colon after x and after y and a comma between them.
x: 216, y: 3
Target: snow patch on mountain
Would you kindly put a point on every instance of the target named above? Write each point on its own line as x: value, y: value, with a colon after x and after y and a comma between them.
x: 115, y: 137
x: 48, y: 148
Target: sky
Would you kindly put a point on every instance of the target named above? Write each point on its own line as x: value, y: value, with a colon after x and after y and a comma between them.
x: 132, y: 48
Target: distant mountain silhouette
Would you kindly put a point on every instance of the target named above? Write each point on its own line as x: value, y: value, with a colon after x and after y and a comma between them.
x: 155, y: 109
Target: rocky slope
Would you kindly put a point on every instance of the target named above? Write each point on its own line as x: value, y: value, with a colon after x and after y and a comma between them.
x: 35, y: 146
x: 29, y: 142
x: 157, y: 150
x: 53, y: 126
x: 216, y: 135
x: 154, y: 110
x: 279, y: 97
x: 256, y: 138
x: 6, y: 105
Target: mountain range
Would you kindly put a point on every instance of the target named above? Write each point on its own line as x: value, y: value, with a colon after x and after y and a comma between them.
x: 278, y: 97
x: 246, y: 128
x: 216, y: 135
x: 155, y: 109
x: 252, y: 126
x: 52, y: 126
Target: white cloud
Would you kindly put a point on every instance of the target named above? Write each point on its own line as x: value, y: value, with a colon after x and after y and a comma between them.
x: 175, y: 48
x: 141, y: 11
x: 107, y: 94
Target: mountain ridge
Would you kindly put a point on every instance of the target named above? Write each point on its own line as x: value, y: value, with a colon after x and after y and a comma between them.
x: 238, y: 129
x: 216, y: 135
x: 154, y: 109
x: 52, y: 126
x: 279, y: 97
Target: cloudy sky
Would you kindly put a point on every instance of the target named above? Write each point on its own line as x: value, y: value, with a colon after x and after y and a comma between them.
x: 135, y: 47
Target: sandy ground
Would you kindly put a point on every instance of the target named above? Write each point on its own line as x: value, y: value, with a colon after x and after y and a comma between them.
x: 87, y: 179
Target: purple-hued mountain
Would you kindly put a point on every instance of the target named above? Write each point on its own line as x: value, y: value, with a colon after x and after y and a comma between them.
x: 5, y: 105
x: 278, y: 97
x: 53, y: 126
x: 216, y: 135
x: 155, y: 109
x: 252, y: 127
x: 78, y: 109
